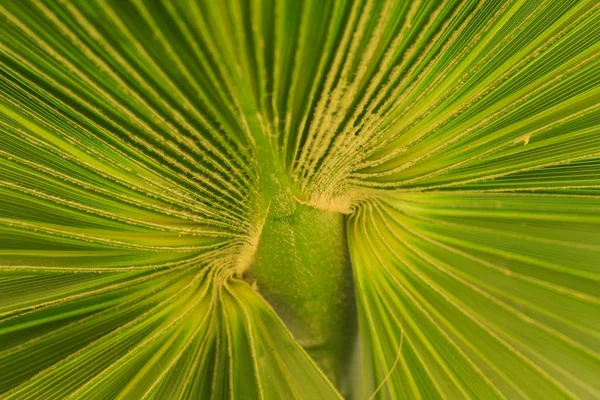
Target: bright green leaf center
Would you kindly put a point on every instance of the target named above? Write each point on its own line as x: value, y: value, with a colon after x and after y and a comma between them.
x: 303, y: 269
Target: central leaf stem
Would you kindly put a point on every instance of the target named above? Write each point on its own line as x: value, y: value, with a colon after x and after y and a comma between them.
x: 302, y: 268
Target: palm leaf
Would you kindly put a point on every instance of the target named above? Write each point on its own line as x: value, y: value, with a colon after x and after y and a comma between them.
x: 282, y: 199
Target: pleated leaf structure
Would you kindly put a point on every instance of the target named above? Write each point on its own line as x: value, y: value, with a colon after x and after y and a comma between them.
x: 280, y: 199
